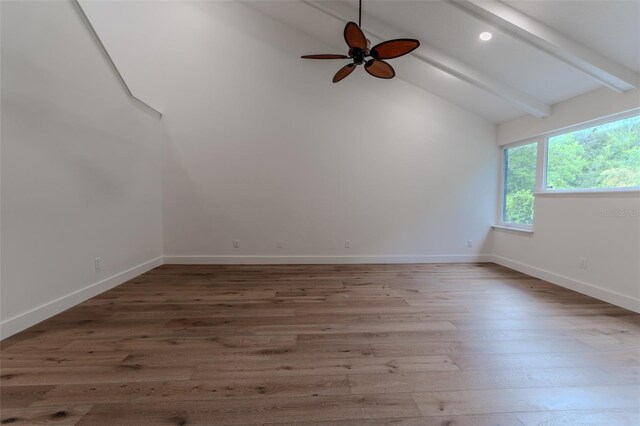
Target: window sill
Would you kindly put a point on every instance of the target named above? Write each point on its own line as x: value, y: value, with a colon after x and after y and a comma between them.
x: 512, y: 228
x: 617, y: 192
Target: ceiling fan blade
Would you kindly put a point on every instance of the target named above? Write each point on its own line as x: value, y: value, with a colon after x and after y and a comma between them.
x: 325, y: 56
x: 394, y: 48
x: 343, y: 72
x: 354, y: 36
x: 379, y: 69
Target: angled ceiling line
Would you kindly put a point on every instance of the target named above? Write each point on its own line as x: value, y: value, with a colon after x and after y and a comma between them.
x: 537, y: 34
x: 443, y: 62
x: 112, y: 64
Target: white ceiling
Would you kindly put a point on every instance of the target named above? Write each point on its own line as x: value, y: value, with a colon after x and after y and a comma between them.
x: 609, y: 28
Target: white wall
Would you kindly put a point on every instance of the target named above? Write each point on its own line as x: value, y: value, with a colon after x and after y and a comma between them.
x: 80, y: 168
x: 264, y: 148
x: 603, y: 228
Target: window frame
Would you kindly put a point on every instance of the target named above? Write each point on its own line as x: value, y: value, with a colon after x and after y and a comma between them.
x: 541, y: 167
x: 503, y: 182
x: 543, y: 190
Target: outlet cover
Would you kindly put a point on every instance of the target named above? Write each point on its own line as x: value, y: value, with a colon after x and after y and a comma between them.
x: 582, y: 263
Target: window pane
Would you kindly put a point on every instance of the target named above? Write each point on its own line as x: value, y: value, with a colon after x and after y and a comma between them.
x: 519, y: 183
x: 605, y: 156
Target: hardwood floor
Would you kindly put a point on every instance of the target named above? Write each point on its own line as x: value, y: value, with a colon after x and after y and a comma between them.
x: 464, y: 344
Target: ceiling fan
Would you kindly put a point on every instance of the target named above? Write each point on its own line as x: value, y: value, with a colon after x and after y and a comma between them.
x: 372, y: 58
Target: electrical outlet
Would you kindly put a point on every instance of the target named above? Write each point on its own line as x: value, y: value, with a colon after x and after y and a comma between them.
x: 469, y: 243
x: 279, y: 244
x: 582, y: 263
x: 347, y: 244
x: 97, y: 264
x: 236, y: 243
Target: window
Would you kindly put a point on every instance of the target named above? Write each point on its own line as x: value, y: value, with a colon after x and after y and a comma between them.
x: 519, y: 183
x: 603, y: 156
x: 600, y: 157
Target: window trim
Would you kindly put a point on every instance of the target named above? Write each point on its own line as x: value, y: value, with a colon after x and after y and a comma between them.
x: 512, y: 228
x: 578, y: 191
x: 592, y: 123
x: 503, y: 182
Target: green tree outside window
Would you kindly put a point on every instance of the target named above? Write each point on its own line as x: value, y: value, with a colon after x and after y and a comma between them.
x: 605, y: 156
x: 520, y: 182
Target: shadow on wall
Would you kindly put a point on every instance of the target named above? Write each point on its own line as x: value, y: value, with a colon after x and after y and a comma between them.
x: 94, y: 159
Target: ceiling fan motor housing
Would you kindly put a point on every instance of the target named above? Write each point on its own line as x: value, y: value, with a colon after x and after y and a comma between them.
x: 358, y: 55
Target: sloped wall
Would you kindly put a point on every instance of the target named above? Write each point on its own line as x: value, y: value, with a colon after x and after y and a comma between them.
x: 80, y: 168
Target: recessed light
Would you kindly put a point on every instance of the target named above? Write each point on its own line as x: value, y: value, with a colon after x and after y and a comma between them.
x: 485, y: 36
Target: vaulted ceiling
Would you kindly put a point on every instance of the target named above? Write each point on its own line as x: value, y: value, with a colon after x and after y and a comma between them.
x: 541, y: 53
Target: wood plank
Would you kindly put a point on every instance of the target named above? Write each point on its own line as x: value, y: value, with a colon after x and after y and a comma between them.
x: 611, y: 342
x: 251, y: 411
x: 22, y: 396
x: 66, y: 415
x: 186, y: 390
x: 484, y: 379
x: 351, y: 328
x: 452, y: 336
x: 618, y: 323
x: 162, y: 311
x: 93, y: 374
x: 581, y: 417
x: 480, y: 420
x: 178, y: 341
x: 481, y: 347
x: 52, y: 359
x: 306, y: 367
x: 525, y: 400
x: 283, y: 354
x: 547, y: 360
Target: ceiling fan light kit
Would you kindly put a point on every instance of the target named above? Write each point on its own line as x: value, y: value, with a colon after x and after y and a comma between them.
x: 373, y: 59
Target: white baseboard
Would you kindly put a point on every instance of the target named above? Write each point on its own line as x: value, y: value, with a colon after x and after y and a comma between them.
x: 298, y: 260
x: 594, y: 291
x: 27, y: 319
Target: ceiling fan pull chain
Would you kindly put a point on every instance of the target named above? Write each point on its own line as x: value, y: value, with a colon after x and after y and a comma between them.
x: 360, y: 14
